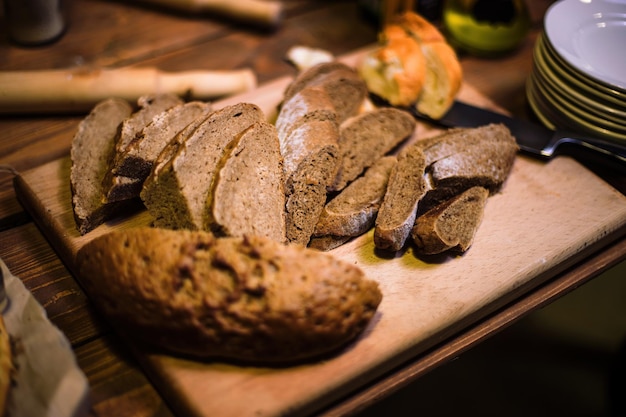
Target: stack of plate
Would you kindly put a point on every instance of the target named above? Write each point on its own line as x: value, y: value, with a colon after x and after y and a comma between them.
x: 578, y: 81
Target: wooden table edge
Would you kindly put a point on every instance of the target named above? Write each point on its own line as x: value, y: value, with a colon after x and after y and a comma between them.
x: 563, y: 283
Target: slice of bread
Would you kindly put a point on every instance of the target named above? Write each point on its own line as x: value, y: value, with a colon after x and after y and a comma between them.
x: 463, y: 158
x: 153, y: 187
x: 447, y: 143
x: 343, y: 85
x: 398, y: 210
x: 137, y: 159
x: 353, y: 211
x: 303, y: 78
x: 466, y: 157
x: 310, y: 161
x: 244, y: 299
x: 418, y: 27
x: 118, y: 187
x: 248, y: 193
x: 148, y: 106
x: 171, y: 148
x: 345, y: 89
x: 367, y: 137
x: 177, y: 197
x: 452, y: 224
x: 92, y: 146
x: 306, y: 105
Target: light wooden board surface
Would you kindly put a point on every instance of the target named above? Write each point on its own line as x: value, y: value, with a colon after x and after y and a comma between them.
x: 547, y: 216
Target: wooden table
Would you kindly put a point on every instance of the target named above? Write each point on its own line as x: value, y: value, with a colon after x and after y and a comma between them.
x: 115, y: 34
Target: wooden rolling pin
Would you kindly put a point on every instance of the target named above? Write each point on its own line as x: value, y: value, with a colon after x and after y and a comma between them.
x: 78, y: 90
x: 258, y: 12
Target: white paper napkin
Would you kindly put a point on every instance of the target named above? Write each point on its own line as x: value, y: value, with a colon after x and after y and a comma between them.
x: 49, y: 382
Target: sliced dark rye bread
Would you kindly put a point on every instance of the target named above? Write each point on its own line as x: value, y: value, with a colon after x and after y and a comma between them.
x: 398, y: 211
x: 92, y: 145
x: 345, y: 89
x: 310, y: 162
x: 334, y: 77
x: 488, y: 166
x: 306, y: 105
x: 148, y: 106
x: 303, y: 78
x: 365, y: 138
x: 353, y: 211
x: 248, y: 193
x: 177, y: 197
x: 445, y: 144
x: 137, y: 159
x: 462, y: 158
x: 440, y: 147
x: 172, y: 147
x: 452, y: 224
x: 151, y: 188
x: 119, y: 187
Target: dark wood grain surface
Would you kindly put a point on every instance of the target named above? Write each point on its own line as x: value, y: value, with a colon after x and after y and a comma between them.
x: 119, y: 34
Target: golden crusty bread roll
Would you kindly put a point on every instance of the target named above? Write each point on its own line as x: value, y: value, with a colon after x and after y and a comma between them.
x: 248, y: 299
x: 396, y: 71
x: 418, y: 27
x: 443, y: 79
x: 413, y: 66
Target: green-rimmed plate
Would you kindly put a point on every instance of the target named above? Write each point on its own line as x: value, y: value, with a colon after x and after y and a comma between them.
x: 576, y: 100
x: 554, y: 115
x: 597, y: 91
x: 590, y: 35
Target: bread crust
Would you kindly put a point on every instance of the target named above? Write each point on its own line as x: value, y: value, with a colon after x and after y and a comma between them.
x: 91, y: 149
x: 118, y: 187
x: 311, y: 159
x: 137, y: 159
x: 367, y: 137
x: 307, y: 77
x: 480, y: 156
x: 353, y: 211
x: 452, y: 224
x: 248, y: 193
x: 418, y: 27
x: 309, y: 104
x: 398, y: 211
x: 245, y: 299
x: 170, y: 150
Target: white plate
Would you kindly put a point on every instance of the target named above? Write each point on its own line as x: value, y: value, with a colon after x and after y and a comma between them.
x: 590, y: 35
x: 600, y: 92
x: 546, y: 72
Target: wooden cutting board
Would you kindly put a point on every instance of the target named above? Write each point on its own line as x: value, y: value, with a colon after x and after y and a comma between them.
x: 547, y: 217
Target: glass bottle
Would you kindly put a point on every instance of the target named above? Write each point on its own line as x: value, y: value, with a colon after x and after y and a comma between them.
x: 486, y: 27
x: 34, y: 22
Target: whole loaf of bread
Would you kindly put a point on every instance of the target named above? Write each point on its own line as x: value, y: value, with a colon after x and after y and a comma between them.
x: 247, y: 299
